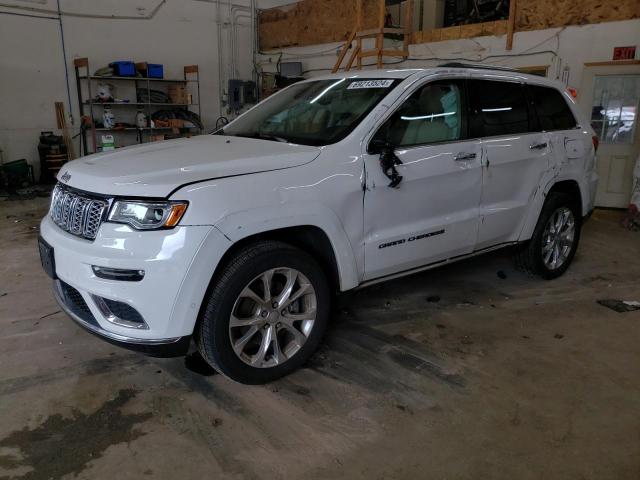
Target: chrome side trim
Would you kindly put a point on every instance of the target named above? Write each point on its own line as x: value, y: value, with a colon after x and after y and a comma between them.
x: 104, y: 333
x: 433, y: 265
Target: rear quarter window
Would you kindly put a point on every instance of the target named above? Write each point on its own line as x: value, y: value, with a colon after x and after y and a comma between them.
x: 552, y: 109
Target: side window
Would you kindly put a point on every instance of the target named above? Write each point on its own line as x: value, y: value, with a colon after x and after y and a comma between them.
x: 552, y: 109
x: 497, y: 108
x: 432, y: 114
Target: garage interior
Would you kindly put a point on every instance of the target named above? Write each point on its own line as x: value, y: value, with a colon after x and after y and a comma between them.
x: 471, y: 370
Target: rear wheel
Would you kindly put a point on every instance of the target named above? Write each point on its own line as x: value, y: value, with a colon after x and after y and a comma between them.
x: 555, y: 238
x: 265, y: 314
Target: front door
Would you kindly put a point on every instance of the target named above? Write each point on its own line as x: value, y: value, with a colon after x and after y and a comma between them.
x: 433, y: 213
x: 610, y: 97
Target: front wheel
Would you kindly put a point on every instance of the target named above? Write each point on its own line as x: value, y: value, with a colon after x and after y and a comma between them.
x: 265, y: 313
x: 555, y: 238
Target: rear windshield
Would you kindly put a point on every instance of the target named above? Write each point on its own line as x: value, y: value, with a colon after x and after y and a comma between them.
x: 312, y: 113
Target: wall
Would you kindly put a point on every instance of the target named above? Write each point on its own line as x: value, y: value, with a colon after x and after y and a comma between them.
x: 433, y: 14
x: 537, y: 14
x: 310, y: 22
x: 32, y: 71
x: 32, y: 74
x: 562, y: 49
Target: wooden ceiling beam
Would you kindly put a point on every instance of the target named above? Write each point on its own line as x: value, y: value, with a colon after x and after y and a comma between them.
x: 511, y: 23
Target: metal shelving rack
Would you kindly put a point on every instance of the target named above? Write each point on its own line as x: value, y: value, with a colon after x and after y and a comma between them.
x: 89, y: 105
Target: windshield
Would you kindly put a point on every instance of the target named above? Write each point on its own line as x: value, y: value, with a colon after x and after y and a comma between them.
x: 312, y: 113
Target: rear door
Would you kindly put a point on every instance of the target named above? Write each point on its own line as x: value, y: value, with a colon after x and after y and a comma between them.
x: 515, y: 157
x: 433, y: 213
x: 571, y: 146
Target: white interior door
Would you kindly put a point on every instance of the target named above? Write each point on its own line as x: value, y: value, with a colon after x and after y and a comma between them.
x: 610, y: 98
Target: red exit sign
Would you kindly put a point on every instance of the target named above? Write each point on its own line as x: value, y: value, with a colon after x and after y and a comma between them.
x: 624, y: 53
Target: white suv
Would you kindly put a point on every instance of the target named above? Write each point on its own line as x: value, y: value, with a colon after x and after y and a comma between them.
x: 239, y: 239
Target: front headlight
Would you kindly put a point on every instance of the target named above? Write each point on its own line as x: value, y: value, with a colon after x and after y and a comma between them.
x: 147, y: 215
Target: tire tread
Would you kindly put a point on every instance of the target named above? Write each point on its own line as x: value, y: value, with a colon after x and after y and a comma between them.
x: 216, y: 292
x: 526, y: 257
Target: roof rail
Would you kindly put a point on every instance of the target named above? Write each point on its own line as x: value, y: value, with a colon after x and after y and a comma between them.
x: 482, y: 66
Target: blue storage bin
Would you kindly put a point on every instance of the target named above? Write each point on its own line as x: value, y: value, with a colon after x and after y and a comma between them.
x: 155, y: 70
x: 123, y: 69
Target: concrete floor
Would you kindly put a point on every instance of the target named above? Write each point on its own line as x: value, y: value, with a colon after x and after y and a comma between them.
x: 469, y: 371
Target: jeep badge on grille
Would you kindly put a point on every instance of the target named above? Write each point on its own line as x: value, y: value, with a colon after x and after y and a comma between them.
x: 65, y: 177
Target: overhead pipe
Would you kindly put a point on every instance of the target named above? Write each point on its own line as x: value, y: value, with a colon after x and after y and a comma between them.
x: 230, y: 36
x: 254, y: 45
x: 234, y: 26
x: 232, y: 9
x: 219, y: 50
x: 64, y: 60
x: 29, y: 15
x: 87, y: 15
x: 222, y: 78
x: 249, y: 12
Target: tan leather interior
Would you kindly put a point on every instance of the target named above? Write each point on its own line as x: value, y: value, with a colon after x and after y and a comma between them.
x: 427, y: 130
x: 312, y: 121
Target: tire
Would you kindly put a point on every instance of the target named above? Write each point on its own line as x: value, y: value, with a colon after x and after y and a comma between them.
x: 532, y: 256
x: 238, y: 290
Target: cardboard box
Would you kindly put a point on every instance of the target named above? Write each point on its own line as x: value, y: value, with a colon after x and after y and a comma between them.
x: 177, y: 93
x: 175, y: 122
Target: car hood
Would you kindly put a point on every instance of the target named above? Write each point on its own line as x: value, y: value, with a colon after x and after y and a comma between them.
x: 156, y: 169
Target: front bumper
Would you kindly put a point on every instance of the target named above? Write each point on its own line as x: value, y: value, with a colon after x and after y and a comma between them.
x: 178, y: 266
x: 162, y: 347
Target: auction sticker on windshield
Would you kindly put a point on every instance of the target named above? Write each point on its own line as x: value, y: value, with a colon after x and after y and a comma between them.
x: 371, y: 84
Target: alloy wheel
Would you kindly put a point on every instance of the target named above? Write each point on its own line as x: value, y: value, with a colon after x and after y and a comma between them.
x: 558, y: 238
x: 272, y: 317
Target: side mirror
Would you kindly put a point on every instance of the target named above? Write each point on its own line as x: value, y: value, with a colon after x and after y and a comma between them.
x: 388, y: 162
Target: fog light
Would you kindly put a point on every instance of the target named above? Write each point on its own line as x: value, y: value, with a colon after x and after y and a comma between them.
x: 120, y: 313
x: 118, y: 274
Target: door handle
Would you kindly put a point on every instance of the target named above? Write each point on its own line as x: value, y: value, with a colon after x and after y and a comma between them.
x: 538, y: 146
x: 464, y: 156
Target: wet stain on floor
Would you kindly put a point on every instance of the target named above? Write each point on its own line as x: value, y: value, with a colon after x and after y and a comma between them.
x: 60, y: 445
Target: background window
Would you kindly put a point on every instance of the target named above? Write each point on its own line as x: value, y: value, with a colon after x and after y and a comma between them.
x: 614, y: 108
x: 499, y: 108
x: 552, y: 109
x: 432, y: 114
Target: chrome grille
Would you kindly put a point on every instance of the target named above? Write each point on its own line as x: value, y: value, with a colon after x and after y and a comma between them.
x: 76, y: 212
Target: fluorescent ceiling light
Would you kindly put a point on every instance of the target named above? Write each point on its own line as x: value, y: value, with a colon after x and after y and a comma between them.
x: 327, y: 89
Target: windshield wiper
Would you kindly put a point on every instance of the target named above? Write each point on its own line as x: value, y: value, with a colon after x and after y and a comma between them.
x: 261, y: 136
